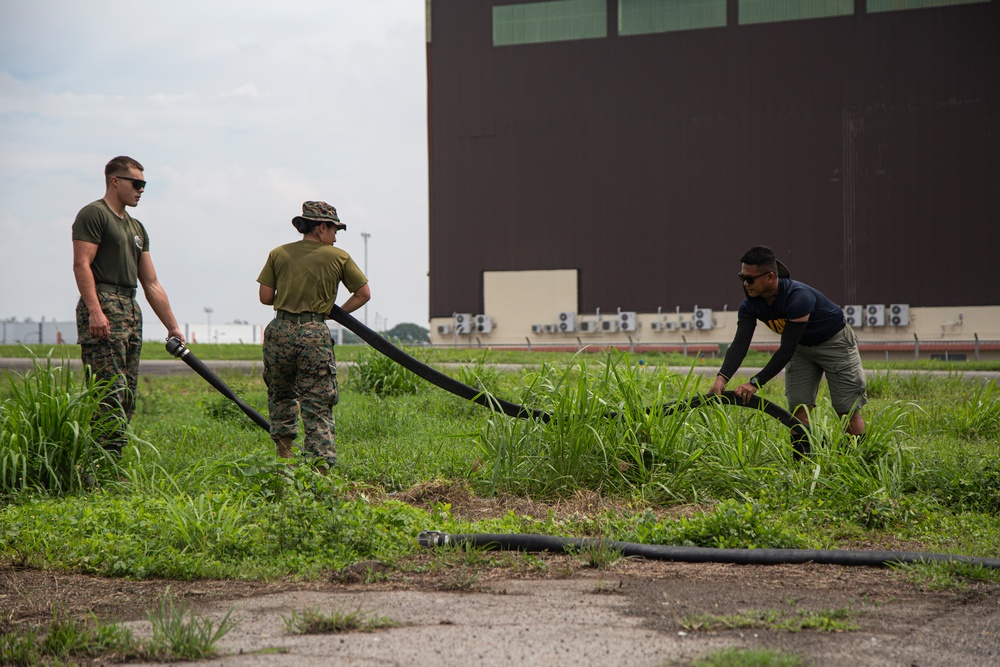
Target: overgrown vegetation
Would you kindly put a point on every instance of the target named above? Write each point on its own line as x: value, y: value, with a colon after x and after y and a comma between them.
x: 198, y: 496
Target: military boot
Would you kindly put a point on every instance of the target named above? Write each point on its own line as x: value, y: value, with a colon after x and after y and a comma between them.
x: 284, y: 446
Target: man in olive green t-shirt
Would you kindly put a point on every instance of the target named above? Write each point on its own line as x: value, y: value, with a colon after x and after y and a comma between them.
x: 110, y: 256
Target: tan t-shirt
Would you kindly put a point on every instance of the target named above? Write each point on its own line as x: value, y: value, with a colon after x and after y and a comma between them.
x: 120, y: 241
x: 306, y: 274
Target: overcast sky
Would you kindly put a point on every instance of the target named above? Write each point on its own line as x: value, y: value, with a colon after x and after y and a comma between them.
x: 239, y: 110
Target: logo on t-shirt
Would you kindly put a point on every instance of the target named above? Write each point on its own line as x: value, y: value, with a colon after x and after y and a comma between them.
x: 777, y: 326
x: 138, y: 241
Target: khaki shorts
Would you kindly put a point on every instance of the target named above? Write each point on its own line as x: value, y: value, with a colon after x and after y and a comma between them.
x: 840, y: 360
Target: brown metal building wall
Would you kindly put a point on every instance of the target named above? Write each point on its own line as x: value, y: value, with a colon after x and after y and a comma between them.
x: 864, y: 149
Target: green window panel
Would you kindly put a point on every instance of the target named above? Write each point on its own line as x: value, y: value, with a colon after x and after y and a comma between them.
x: 897, y: 5
x: 556, y: 21
x: 772, y: 11
x: 641, y: 17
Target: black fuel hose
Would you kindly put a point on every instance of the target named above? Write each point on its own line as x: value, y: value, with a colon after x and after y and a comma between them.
x: 179, y: 350
x: 538, y: 543
x: 462, y: 390
x: 437, y: 378
x: 176, y: 348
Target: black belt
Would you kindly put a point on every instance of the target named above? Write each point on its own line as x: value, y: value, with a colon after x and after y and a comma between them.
x: 116, y: 289
x: 299, y: 317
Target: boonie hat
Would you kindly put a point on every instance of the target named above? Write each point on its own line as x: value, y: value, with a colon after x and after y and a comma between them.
x: 319, y: 211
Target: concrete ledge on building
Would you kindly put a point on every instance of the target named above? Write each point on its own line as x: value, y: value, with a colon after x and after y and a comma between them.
x: 693, y: 349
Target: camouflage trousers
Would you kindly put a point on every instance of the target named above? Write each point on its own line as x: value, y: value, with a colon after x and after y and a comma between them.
x: 114, y: 359
x: 300, y: 370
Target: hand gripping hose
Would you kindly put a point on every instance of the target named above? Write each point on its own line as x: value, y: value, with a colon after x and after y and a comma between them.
x: 537, y: 543
x: 178, y: 349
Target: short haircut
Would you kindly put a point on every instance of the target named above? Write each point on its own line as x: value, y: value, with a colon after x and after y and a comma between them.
x: 119, y: 165
x: 761, y: 256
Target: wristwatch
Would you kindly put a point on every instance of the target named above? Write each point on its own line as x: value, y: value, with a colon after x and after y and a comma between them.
x: 755, y: 382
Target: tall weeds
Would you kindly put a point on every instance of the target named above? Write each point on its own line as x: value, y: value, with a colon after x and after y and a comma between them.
x: 50, y: 428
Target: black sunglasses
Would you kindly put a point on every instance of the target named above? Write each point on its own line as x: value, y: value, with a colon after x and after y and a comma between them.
x: 744, y: 278
x: 137, y: 183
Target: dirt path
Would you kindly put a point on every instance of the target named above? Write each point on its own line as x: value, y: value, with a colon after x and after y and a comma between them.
x: 636, y: 613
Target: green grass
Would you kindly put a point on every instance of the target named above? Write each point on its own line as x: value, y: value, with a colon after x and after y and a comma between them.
x: 50, y: 429
x: 200, y: 493
x: 827, y: 620
x: 753, y: 657
x: 177, y: 634
x: 313, y: 621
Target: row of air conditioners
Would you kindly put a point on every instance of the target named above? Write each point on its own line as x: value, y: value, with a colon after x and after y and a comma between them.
x: 570, y: 322
x: 626, y: 320
x: 701, y: 320
x: 878, y: 315
x: 467, y: 323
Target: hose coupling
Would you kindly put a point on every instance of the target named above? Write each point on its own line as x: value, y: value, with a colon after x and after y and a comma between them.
x: 432, y: 538
x: 176, y: 347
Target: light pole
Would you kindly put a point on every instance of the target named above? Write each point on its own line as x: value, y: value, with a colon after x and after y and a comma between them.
x: 364, y: 236
x: 208, y: 312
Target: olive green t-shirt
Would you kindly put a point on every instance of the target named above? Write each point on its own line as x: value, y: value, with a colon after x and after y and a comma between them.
x: 120, y: 241
x: 306, y: 275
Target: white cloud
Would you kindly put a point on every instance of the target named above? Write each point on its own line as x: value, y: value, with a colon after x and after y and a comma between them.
x: 246, y: 90
x: 239, y: 111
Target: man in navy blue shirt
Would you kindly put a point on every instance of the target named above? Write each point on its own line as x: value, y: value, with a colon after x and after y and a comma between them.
x: 815, y: 339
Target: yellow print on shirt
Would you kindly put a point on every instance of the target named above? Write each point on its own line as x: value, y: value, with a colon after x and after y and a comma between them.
x: 777, y: 326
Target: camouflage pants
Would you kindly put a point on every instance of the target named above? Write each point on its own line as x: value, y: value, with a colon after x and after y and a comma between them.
x: 114, y: 359
x: 300, y: 370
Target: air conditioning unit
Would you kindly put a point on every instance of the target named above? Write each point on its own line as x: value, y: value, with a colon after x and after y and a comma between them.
x: 685, y: 324
x: 567, y: 322
x: 464, y: 324
x: 673, y: 325
x: 899, y: 314
x: 537, y: 328
x: 875, y: 315
x: 484, y: 324
x: 703, y: 319
x: 551, y: 328
x: 659, y: 325
x: 854, y: 315
x: 627, y: 321
x: 609, y: 325
x: 590, y: 326
x: 444, y: 329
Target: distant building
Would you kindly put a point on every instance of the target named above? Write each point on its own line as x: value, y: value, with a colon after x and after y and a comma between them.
x: 603, y: 156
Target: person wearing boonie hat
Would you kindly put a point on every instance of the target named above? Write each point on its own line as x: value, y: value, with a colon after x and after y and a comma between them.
x: 300, y: 279
x: 815, y: 340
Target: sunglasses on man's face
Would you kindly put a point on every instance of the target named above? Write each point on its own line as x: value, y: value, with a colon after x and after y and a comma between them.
x: 749, y: 280
x: 137, y: 183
